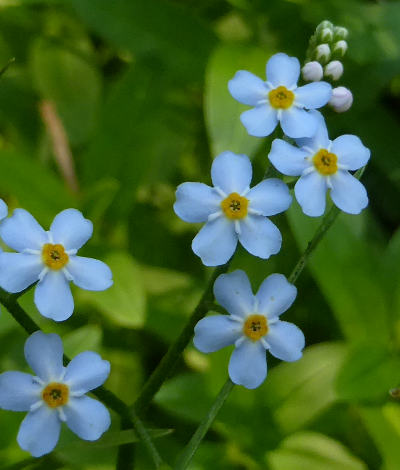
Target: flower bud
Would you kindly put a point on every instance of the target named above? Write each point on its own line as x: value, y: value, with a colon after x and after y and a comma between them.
x: 341, y: 99
x: 326, y: 35
x: 340, y: 33
x: 334, y: 70
x: 322, y: 53
x: 339, y: 49
x: 312, y: 71
x: 324, y: 25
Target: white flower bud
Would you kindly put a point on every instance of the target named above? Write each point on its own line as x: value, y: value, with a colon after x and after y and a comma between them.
x: 334, y: 70
x: 326, y: 35
x: 340, y: 33
x: 324, y: 25
x: 339, y: 49
x: 312, y: 71
x: 341, y: 99
x: 322, y: 53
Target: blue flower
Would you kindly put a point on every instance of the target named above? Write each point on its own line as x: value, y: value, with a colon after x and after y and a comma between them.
x: 50, y: 257
x: 232, y: 211
x: 55, y: 394
x: 253, y: 326
x: 279, y: 99
x: 324, y: 164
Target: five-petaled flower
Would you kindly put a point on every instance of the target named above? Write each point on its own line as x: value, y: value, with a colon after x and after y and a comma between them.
x: 50, y: 257
x: 279, y: 99
x: 232, y: 211
x: 324, y: 164
x: 55, y: 394
x: 253, y: 326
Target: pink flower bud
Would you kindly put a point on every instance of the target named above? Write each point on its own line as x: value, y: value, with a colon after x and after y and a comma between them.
x: 341, y: 99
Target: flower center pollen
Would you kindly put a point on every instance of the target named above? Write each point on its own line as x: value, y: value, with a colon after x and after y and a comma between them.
x: 235, y: 206
x: 255, y: 327
x: 54, y: 256
x: 55, y: 395
x: 325, y: 162
x: 281, y: 98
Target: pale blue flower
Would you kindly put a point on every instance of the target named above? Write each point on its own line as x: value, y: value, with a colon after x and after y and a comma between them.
x: 232, y: 211
x: 55, y: 394
x: 50, y: 257
x: 279, y: 99
x: 3, y: 209
x: 253, y: 326
x: 324, y: 164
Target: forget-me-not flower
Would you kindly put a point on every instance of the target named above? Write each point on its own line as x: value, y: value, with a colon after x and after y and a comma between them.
x: 324, y: 164
x: 279, y: 99
x: 253, y: 326
x: 232, y: 211
x: 55, y: 394
x: 50, y: 257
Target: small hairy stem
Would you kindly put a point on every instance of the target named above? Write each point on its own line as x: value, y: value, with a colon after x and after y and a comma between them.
x: 106, y: 396
x: 204, y: 426
x: 167, y: 363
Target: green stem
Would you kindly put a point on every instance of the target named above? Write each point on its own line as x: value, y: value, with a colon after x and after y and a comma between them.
x: 190, y: 449
x: 167, y: 363
x: 106, y: 396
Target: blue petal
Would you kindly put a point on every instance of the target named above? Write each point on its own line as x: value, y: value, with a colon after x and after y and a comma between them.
x: 231, y: 172
x: 71, y: 229
x: 233, y: 292
x: 196, y: 201
x: 275, y: 295
x: 297, y: 122
x: 260, y: 121
x: 283, y: 70
x: 313, y: 95
x: 87, y: 418
x: 21, y: 231
x: 288, y: 159
x: 259, y: 236
x: 248, y: 364
x: 39, y: 431
x: 350, y: 152
x: 18, y: 391
x: 3, y: 209
x: 270, y: 197
x: 286, y: 341
x: 19, y: 270
x: 53, y: 296
x: 89, y: 273
x: 248, y: 89
x: 86, y: 371
x: 310, y: 192
x: 348, y: 193
x: 320, y: 140
x: 216, y: 332
x: 44, y: 354
x: 216, y: 242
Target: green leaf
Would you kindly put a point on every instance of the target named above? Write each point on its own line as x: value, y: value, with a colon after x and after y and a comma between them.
x: 54, y: 71
x: 344, y: 266
x: 86, y: 338
x: 313, y: 451
x: 159, y: 281
x: 368, y: 373
x: 222, y: 112
x: 124, y: 303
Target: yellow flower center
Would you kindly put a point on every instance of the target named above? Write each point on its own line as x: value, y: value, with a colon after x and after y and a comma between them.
x: 54, y: 256
x: 255, y: 327
x: 55, y: 395
x: 235, y: 206
x: 325, y: 162
x: 281, y: 98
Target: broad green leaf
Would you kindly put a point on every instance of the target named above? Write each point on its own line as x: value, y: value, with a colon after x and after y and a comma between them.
x: 344, y: 267
x: 368, y: 373
x: 124, y: 303
x: 222, y: 112
x: 383, y: 426
x: 71, y: 83
x: 297, y: 392
x: 86, y: 338
x: 158, y: 281
x: 312, y: 451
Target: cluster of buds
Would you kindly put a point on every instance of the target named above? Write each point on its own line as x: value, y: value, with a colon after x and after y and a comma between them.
x: 326, y: 49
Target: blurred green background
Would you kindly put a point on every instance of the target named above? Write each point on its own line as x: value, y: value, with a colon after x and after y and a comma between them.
x: 134, y: 93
